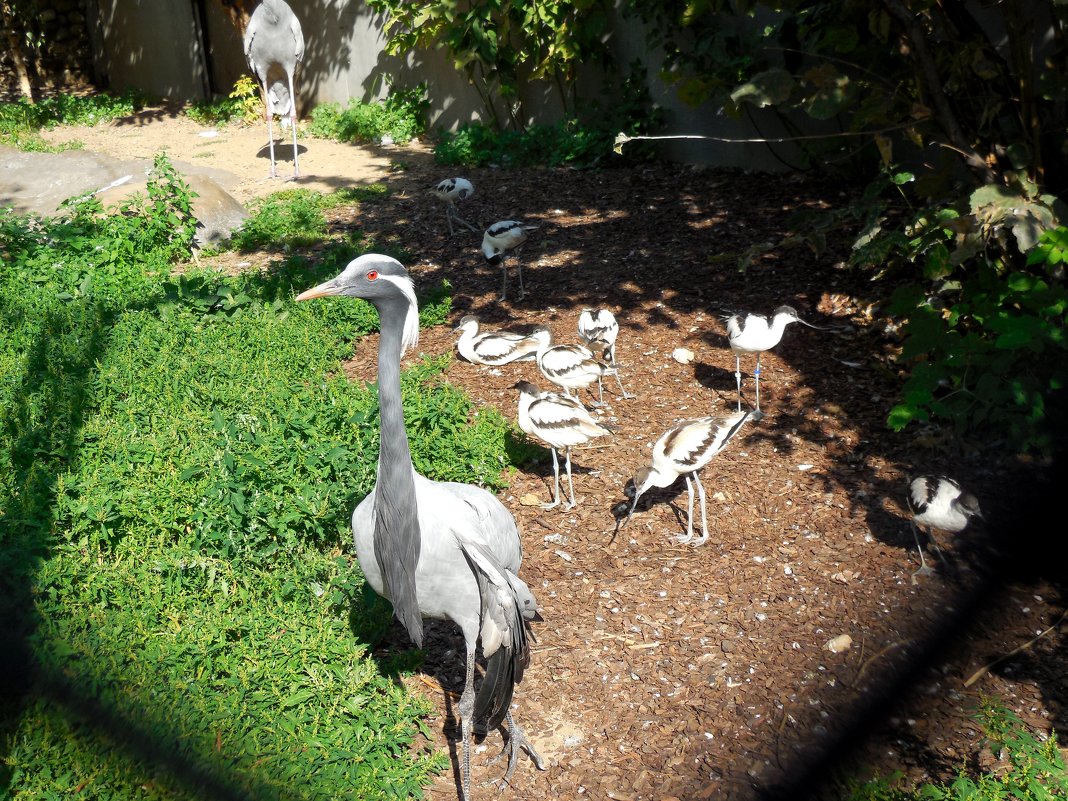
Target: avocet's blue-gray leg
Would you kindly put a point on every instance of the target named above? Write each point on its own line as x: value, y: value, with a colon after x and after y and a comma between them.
x: 504, y: 279
x: 570, y: 486
x: 466, y: 708
x: 293, y: 122
x: 704, y: 515
x: 756, y: 375
x: 738, y: 377
x: 684, y: 538
x: 924, y: 569
x: 556, y: 484
x: 519, y: 273
x: 449, y: 212
x: 626, y: 395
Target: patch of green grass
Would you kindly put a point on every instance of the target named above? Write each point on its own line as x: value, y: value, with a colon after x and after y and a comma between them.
x: 401, y: 116
x: 294, y: 218
x: 179, y: 459
x: 22, y: 121
x: 1035, y: 770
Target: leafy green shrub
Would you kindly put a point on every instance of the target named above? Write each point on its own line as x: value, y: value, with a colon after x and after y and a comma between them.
x: 1035, y: 770
x: 243, y: 105
x: 984, y: 340
x: 286, y: 219
x: 401, y: 116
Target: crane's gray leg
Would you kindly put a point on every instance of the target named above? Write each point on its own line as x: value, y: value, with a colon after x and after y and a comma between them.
x: 466, y: 708
x: 570, y: 486
x: 704, y: 516
x: 738, y: 378
x: 924, y: 569
x: 556, y: 484
x: 293, y: 122
x: 684, y: 538
x: 270, y: 138
x: 517, y: 741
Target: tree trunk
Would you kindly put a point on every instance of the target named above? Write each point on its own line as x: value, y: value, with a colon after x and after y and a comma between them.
x: 15, y: 49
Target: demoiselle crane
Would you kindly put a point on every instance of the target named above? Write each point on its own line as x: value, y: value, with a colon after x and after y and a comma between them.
x: 940, y: 503
x: 504, y: 239
x: 274, y: 45
x: 498, y: 347
x: 756, y: 333
x: 599, y: 330
x: 452, y: 190
x: 437, y: 549
x: 683, y: 451
x: 560, y: 421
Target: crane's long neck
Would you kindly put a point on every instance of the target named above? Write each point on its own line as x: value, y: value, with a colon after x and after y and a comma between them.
x: 396, y: 534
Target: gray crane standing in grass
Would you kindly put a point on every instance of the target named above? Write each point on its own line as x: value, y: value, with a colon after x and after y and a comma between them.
x: 438, y: 549
x: 274, y: 45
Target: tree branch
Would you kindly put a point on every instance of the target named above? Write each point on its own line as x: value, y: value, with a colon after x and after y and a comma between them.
x: 932, y: 87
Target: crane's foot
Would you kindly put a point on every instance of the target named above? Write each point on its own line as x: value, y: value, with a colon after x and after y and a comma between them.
x: 517, y: 741
x: 685, y: 538
x: 548, y: 506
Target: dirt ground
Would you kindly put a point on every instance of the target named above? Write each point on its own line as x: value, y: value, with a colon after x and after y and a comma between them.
x: 666, y: 671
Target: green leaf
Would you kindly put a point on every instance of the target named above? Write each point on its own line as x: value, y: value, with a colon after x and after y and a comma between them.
x: 768, y: 88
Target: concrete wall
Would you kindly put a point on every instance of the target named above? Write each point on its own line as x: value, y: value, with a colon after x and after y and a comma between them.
x: 156, y: 45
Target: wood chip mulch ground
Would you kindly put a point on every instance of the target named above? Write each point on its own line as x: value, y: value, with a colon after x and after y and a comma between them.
x: 666, y: 671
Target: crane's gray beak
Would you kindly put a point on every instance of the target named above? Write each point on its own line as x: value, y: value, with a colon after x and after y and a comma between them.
x: 330, y: 287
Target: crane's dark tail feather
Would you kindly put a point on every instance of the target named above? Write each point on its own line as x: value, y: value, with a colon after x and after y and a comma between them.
x: 504, y: 670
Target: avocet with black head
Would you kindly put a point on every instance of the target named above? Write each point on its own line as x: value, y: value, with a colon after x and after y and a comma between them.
x: 756, y: 333
x: 498, y: 347
x: 438, y: 549
x: 683, y: 451
x: 599, y: 331
x: 452, y: 191
x: 938, y: 502
x: 502, y: 240
x: 560, y: 421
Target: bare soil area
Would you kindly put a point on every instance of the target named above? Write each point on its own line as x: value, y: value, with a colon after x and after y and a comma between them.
x: 666, y: 671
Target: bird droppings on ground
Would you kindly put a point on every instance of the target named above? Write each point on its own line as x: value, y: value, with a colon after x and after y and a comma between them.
x: 726, y: 704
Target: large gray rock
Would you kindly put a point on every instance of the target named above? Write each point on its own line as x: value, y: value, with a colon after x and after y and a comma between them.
x: 39, y: 183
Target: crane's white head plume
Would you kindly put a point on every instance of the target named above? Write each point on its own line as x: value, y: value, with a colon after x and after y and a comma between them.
x: 379, y: 279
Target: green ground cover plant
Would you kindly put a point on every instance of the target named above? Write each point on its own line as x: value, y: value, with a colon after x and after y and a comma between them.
x: 242, y: 105
x: 295, y: 217
x: 1031, y: 769
x: 401, y: 116
x: 22, y: 121
x: 179, y: 458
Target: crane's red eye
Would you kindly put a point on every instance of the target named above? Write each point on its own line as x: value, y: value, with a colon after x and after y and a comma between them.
x: 372, y: 275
